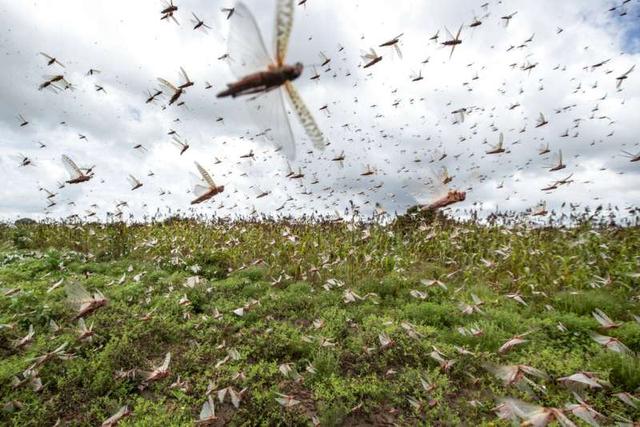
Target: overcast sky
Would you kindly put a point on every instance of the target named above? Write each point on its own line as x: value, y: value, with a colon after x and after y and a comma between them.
x: 378, y: 116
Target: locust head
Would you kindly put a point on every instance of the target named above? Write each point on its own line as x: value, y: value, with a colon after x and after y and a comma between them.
x: 294, y: 71
x: 456, y: 196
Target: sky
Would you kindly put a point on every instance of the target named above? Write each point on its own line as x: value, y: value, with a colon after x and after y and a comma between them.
x: 381, y: 117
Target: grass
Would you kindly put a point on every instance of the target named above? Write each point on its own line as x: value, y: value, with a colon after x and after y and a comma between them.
x: 292, y: 278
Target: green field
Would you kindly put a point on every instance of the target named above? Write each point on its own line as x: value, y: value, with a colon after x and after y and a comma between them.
x: 346, y: 320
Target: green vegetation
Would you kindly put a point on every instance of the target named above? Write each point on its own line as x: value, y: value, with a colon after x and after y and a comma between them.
x: 330, y: 318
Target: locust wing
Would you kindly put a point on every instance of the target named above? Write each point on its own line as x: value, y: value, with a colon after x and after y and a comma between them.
x: 205, y: 175
x: 167, y: 84
x: 208, y: 411
x: 306, y: 118
x: 425, y: 191
x: 184, y: 75
x: 167, y: 360
x: 72, y: 168
x: 449, y: 34
x: 176, y: 141
x: 369, y: 56
x: 200, y: 190
x: 199, y: 186
x: 541, y: 119
x: 284, y: 22
x: 245, y: 45
x: 77, y: 294
x: 269, y: 112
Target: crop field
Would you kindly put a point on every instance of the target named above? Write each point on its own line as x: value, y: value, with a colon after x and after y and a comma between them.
x: 326, y: 323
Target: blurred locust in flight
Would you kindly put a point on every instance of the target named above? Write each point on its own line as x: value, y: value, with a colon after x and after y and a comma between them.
x: 51, y: 60
x: 198, y: 24
x: 453, y: 41
x: 263, y: 76
x: 394, y: 43
x: 624, y: 77
x: 168, y: 9
x: 22, y: 120
x: 498, y: 149
x: 76, y: 174
x: 371, y: 58
x: 229, y: 11
x: 634, y: 157
x: 204, y: 193
x: 179, y: 90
